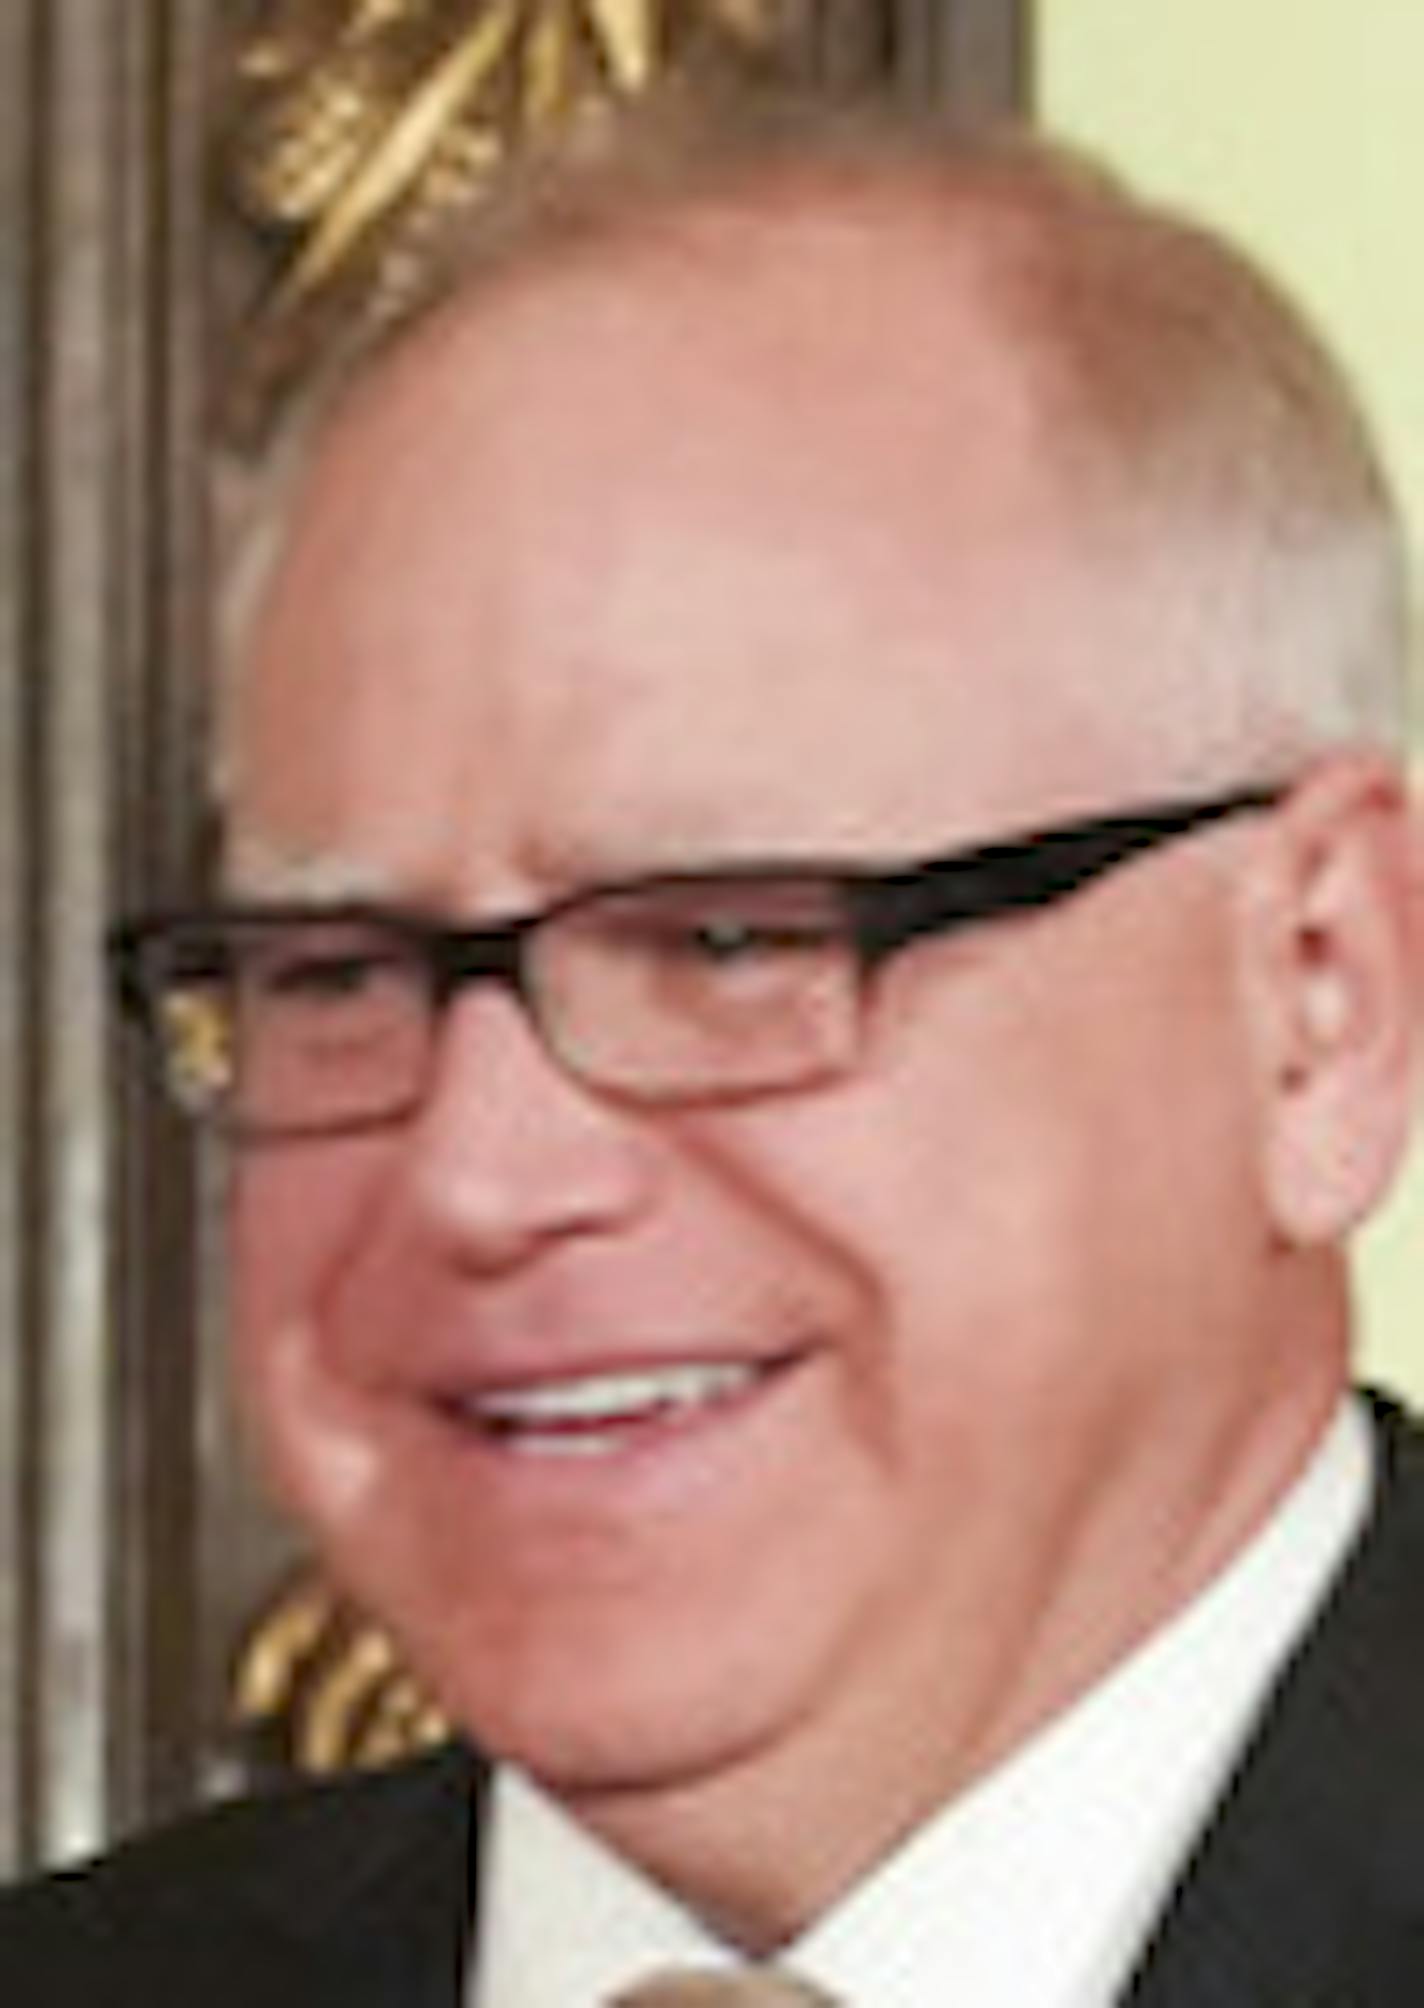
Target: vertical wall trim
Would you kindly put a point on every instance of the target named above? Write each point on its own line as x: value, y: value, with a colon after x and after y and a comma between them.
x: 974, y: 54
x: 103, y: 123
x: 17, y: 164
x: 78, y: 415
x: 162, y: 748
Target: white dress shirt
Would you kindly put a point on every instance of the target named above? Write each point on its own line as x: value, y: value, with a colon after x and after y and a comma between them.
x: 1038, y: 1888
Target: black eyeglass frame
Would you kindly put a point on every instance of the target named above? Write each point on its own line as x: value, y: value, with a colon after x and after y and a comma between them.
x: 886, y: 907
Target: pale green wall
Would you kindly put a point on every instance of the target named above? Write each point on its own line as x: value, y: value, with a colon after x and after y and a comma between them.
x: 1298, y: 125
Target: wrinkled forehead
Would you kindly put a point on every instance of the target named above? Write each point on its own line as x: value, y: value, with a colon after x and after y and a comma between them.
x: 692, y: 524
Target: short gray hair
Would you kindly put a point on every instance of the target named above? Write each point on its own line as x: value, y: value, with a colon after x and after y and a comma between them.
x: 1203, y: 432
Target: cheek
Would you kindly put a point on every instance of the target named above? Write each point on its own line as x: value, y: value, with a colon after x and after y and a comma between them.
x: 297, y: 1215
x: 1038, y: 1157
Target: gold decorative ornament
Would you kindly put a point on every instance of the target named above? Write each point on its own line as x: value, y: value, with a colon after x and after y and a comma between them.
x: 363, y: 128
x: 320, y: 1688
x: 198, y: 1045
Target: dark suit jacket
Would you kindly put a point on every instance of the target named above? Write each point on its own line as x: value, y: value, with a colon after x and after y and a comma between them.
x: 1306, y: 1892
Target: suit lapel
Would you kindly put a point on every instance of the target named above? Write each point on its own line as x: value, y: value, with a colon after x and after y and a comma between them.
x: 1308, y: 1889
x: 371, y: 1896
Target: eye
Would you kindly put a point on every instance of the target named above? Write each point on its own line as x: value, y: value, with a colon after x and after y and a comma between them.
x: 722, y: 925
x: 322, y: 968
x: 748, y: 946
x: 729, y: 938
x: 321, y: 977
x: 725, y: 942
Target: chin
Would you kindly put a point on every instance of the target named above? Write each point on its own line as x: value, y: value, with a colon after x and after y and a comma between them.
x: 591, y: 1717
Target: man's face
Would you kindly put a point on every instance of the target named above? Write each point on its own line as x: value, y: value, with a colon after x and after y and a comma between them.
x: 653, y: 570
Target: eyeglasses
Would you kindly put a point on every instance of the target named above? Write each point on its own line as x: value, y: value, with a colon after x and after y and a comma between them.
x: 286, y: 1021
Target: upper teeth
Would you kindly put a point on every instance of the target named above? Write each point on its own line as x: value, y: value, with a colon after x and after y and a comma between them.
x: 593, y: 1398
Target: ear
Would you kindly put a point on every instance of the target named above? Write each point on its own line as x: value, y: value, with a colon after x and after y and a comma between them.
x: 1334, y: 901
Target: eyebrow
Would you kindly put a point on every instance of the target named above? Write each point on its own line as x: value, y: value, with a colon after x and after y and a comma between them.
x: 256, y: 871
x: 710, y: 852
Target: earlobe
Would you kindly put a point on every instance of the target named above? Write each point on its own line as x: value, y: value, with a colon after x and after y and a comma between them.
x: 1335, y: 912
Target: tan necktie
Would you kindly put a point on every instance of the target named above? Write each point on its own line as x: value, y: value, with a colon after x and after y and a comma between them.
x: 747, y: 1987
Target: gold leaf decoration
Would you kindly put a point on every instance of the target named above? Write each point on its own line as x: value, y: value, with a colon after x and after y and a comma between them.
x: 405, y: 147
x: 320, y: 1688
x: 627, y: 30
x: 362, y: 128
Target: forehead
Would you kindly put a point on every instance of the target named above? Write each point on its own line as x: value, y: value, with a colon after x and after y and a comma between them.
x: 742, y: 542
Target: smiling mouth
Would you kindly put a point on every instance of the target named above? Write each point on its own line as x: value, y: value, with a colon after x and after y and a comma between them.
x: 598, y: 1414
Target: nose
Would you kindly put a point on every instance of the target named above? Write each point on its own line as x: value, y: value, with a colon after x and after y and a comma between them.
x: 510, y: 1155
